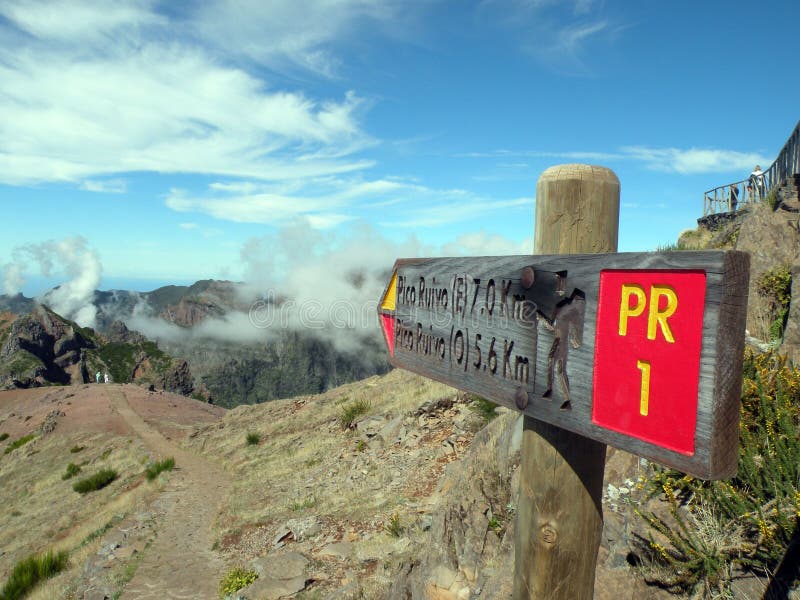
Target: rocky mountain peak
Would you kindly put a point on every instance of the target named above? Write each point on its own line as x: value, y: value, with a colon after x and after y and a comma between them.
x: 119, y: 332
x: 43, y: 347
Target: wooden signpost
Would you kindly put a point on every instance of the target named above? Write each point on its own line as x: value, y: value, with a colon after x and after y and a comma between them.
x: 635, y: 350
x: 642, y: 351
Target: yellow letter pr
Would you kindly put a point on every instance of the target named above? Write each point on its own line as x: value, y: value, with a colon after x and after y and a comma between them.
x: 625, y: 308
x: 659, y: 317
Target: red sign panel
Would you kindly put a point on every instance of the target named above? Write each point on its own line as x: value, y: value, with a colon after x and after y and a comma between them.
x: 647, y: 355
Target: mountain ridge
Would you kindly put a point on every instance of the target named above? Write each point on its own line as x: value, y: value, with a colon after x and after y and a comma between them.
x: 43, y: 348
x: 233, y: 360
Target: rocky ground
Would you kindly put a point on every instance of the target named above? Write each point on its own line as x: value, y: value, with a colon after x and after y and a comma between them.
x: 414, y: 497
x: 123, y: 536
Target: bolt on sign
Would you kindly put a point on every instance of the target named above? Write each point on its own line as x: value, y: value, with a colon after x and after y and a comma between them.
x: 642, y: 351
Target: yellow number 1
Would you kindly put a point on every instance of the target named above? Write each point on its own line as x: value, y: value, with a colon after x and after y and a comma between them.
x: 644, y: 397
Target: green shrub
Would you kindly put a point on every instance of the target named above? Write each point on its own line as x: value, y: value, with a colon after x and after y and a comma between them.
x: 484, y: 408
x: 777, y: 327
x: 19, y: 443
x: 30, y: 571
x: 253, y: 438
x: 772, y: 199
x: 350, y: 412
x: 22, y: 363
x: 236, y: 579
x: 120, y: 359
x: 747, y: 522
x: 115, y: 520
x: 313, y: 461
x: 775, y: 286
x: 393, y: 526
x: 309, y: 502
x: 676, y: 247
x: 96, y: 482
x: 3, y: 437
x: 72, y: 470
x: 495, y: 524
x: 75, y: 449
x: 153, y: 351
x: 153, y: 470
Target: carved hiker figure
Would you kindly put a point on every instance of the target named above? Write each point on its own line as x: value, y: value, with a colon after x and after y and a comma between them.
x: 567, y: 325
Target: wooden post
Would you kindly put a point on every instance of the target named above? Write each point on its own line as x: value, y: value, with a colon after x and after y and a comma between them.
x: 559, y: 513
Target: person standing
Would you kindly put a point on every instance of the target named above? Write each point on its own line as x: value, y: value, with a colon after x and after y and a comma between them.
x: 105, y: 377
x: 97, y: 377
x: 757, y: 182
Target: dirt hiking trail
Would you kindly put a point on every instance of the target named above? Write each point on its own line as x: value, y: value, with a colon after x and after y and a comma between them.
x: 180, y: 563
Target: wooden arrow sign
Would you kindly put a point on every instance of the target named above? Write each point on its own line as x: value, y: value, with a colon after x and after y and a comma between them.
x: 641, y: 351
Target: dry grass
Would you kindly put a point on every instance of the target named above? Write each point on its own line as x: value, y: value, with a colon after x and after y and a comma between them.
x: 32, y: 485
x: 303, y: 443
x: 762, y: 317
x: 82, y: 542
x: 305, y: 464
x: 695, y: 239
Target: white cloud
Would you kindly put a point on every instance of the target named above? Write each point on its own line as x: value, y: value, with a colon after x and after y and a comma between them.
x: 327, y: 221
x: 695, y: 160
x: 287, y: 33
x: 93, y: 89
x: 334, y: 279
x: 236, y: 187
x: 13, y: 278
x: 572, y: 39
x: 105, y: 186
x: 72, y: 259
x: 461, y: 206
x: 187, y: 225
x: 481, y: 243
x: 329, y: 202
x: 557, y: 33
x: 256, y: 208
x: 689, y: 161
x: 573, y: 155
x: 69, y: 20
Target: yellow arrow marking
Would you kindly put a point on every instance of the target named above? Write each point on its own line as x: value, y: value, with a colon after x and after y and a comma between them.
x: 389, y: 301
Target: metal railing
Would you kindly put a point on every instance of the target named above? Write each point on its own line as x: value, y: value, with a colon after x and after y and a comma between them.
x: 720, y: 199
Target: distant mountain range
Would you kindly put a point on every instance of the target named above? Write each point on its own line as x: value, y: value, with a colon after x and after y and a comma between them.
x: 203, y: 323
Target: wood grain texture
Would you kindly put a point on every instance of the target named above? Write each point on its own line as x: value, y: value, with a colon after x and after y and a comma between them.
x: 560, y: 513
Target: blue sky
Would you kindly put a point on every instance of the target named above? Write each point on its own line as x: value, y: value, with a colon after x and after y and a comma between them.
x: 168, y: 142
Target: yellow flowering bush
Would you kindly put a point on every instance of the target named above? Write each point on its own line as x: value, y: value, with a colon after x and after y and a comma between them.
x: 747, y: 522
x: 236, y: 579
